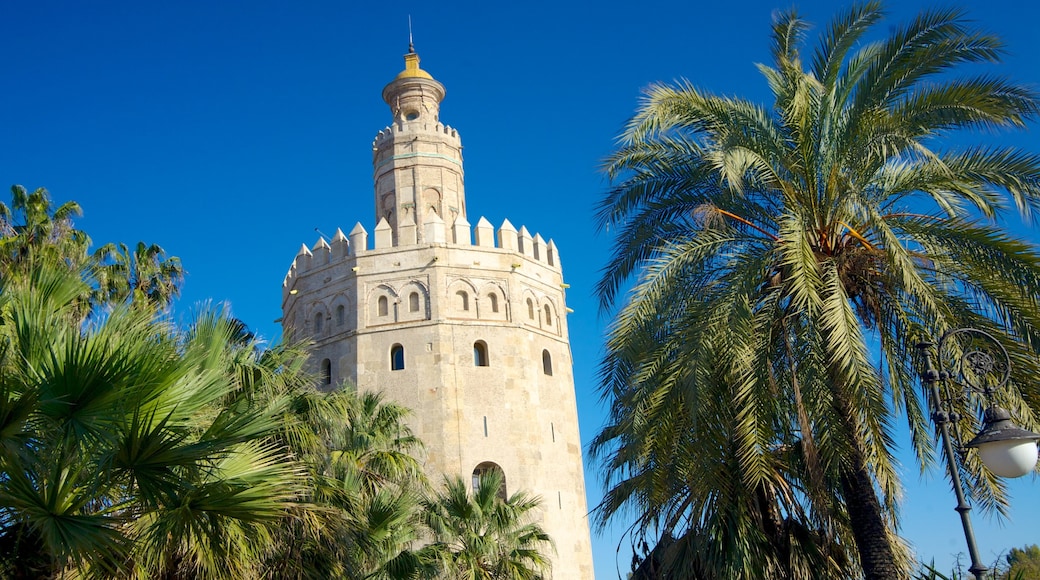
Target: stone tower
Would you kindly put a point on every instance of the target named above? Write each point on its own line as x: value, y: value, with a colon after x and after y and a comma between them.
x: 464, y: 325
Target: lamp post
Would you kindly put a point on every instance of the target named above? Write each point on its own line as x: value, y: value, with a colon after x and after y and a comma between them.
x: 975, y: 361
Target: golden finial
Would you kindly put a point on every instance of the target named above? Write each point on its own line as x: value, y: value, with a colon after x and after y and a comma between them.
x: 411, y: 60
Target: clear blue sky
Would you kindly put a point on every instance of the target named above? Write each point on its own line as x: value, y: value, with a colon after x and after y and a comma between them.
x: 228, y: 131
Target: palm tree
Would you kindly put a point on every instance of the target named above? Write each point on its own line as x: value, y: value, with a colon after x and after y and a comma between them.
x: 362, y: 512
x: 145, y: 275
x: 120, y: 454
x: 713, y: 470
x: 483, y: 537
x: 32, y: 229
x: 806, y: 247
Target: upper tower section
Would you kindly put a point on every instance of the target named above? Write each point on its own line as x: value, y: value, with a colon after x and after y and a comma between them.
x: 417, y: 160
x: 414, y: 95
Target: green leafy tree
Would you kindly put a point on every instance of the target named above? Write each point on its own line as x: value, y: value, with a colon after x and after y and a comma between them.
x: 1023, y: 563
x: 144, y: 275
x: 481, y: 536
x: 361, y: 515
x: 34, y: 233
x: 789, y: 258
x: 120, y: 452
x: 32, y: 229
x: 730, y: 509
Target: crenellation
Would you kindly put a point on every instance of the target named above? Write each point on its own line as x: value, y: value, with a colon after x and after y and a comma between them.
x: 288, y: 282
x: 460, y: 234
x: 552, y: 256
x: 320, y: 253
x: 507, y: 239
x: 539, y: 248
x: 358, y: 239
x: 434, y: 231
x: 407, y: 232
x: 485, y: 233
x: 303, y: 259
x: 443, y: 133
x: 340, y: 245
x: 384, y: 235
x: 525, y: 242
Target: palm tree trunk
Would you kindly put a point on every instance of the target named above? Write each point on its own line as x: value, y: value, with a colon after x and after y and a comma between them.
x: 869, y: 529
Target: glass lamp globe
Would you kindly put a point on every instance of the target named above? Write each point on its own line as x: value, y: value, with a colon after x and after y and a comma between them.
x: 1012, y: 458
x: 1005, y: 449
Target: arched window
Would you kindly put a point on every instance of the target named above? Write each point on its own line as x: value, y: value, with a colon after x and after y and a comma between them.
x: 530, y: 309
x: 413, y: 302
x: 326, y: 372
x: 493, y: 298
x: 341, y: 315
x: 389, y: 203
x: 546, y: 363
x: 480, y: 354
x: 384, y: 306
x: 432, y: 200
x: 318, y: 318
x: 486, y: 468
x: 396, y: 357
x: 548, y: 316
x: 463, y: 299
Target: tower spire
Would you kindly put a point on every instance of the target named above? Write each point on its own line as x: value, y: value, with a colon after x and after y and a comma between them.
x: 411, y: 45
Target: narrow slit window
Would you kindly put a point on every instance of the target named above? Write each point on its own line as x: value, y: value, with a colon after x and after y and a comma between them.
x: 384, y: 306
x: 493, y: 298
x: 480, y: 354
x: 463, y: 299
x: 341, y: 315
x: 413, y: 302
x: 397, y: 357
x: 548, y: 316
x: 530, y: 309
x: 318, y: 319
x: 326, y: 372
x: 547, y: 363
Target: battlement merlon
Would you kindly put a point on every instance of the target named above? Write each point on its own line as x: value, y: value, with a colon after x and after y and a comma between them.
x: 444, y: 133
x: 520, y: 244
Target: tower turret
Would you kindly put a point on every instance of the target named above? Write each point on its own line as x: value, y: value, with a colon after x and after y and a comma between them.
x: 417, y: 160
x: 414, y: 95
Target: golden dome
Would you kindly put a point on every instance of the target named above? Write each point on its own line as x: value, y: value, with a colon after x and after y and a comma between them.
x: 411, y: 68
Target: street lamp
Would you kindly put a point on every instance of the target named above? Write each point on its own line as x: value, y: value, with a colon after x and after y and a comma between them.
x: 975, y: 361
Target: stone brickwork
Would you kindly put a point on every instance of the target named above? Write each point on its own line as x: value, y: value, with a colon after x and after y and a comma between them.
x: 464, y: 325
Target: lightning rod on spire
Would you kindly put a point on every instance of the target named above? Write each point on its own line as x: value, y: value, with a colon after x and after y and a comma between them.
x: 411, y: 46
